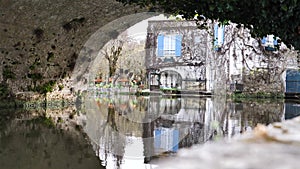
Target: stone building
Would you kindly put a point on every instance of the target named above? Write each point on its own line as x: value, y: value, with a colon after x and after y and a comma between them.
x: 219, y: 59
x: 256, y: 65
x: 176, y: 55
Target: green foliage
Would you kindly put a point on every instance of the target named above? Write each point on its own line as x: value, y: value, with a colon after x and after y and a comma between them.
x: 7, y: 73
x: 45, y: 88
x: 32, y: 67
x: 278, y: 17
x: 35, y: 76
x: 47, y: 121
x: 37, y: 62
x: 4, y: 90
x: 60, y: 87
x: 50, y: 56
x: 60, y: 120
x: 170, y: 90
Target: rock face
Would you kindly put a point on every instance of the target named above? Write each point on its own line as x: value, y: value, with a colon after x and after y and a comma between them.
x: 41, y: 40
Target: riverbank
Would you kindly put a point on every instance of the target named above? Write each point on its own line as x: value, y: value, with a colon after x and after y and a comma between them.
x: 32, y: 100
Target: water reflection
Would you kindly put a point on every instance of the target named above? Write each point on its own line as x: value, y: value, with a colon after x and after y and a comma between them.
x: 30, y: 140
x: 135, y: 130
x: 127, y: 131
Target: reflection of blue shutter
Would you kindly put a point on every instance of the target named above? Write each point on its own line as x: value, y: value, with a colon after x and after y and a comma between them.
x: 216, y: 35
x: 178, y: 45
x: 157, y: 137
x: 175, y: 140
x: 160, y: 45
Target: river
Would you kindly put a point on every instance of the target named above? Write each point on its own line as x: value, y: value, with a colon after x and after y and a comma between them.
x: 125, y: 131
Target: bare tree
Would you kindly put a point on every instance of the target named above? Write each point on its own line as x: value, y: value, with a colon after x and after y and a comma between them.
x: 112, y: 53
x: 123, y: 55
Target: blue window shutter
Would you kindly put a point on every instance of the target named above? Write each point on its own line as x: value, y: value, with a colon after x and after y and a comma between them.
x: 264, y: 40
x: 178, y: 45
x: 275, y: 42
x: 216, y: 27
x: 221, y: 40
x: 160, y: 45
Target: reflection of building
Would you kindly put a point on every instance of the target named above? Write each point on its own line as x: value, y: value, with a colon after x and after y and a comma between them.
x: 177, y: 123
x: 166, y: 139
x: 159, y: 125
x: 291, y: 110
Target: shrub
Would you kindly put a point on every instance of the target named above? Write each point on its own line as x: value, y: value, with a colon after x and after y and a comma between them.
x: 35, y: 76
x: 38, y: 32
x: 8, y: 74
x: 45, y: 88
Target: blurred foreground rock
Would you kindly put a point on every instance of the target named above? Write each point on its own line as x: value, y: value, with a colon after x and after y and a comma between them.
x: 275, y: 146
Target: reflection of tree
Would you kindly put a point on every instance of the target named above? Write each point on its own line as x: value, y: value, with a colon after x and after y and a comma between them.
x: 148, y: 129
x: 111, y: 117
x: 113, y: 141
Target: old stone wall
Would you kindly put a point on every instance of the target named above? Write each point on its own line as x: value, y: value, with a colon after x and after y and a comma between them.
x: 41, y: 40
x: 194, y: 44
x: 248, y: 62
x: 190, y: 65
x: 257, y: 82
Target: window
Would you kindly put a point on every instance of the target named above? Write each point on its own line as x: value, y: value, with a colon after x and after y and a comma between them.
x: 169, y: 45
x: 218, y: 36
x: 270, y: 42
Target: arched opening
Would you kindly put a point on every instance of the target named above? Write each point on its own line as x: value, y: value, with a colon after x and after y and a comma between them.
x: 170, y: 79
x: 87, y: 64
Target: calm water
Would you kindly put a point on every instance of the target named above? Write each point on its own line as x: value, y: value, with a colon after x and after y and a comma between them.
x: 128, y: 131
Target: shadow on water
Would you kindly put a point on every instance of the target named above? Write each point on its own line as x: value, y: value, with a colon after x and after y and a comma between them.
x: 30, y: 140
x: 129, y: 131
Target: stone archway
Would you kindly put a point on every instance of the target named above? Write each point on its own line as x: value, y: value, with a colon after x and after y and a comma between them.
x: 86, y: 64
x: 170, y: 79
x: 39, y: 47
